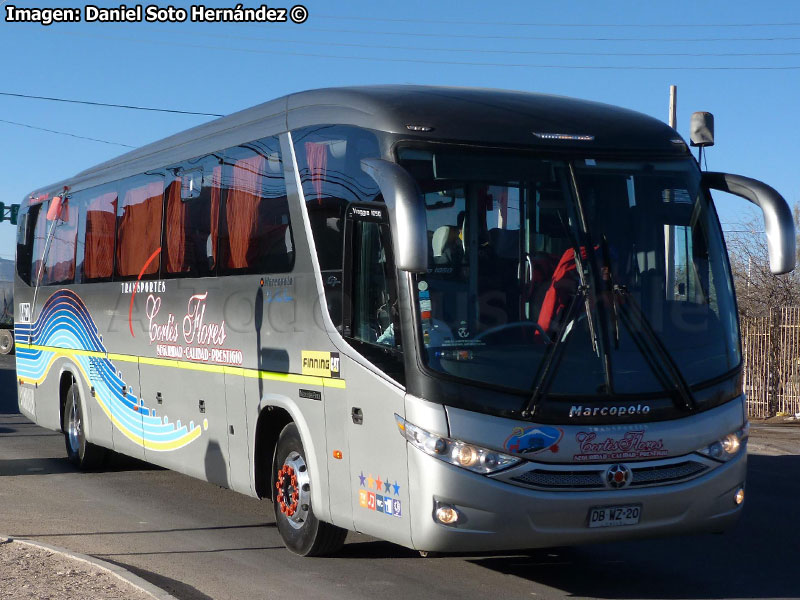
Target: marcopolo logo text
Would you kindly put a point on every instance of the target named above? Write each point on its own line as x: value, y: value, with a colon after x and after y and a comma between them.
x: 608, y: 411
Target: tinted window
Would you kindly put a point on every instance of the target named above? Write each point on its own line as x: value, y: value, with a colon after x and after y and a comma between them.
x: 28, y: 218
x: 39, y: 242
x: 374, y: 286
x: 255, y: 232
x: 62, y: 228
x: 192, y: 224
x: 98, y: 256
x: 329, y: 162
x: 139, y: 225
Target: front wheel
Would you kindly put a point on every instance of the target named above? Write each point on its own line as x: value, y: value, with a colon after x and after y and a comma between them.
x: 6, y: 341
x: 301, y: 531
x: 81, y: 453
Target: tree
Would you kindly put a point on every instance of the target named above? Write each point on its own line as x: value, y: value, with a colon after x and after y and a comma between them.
x: 760, y: 293
x: 758, y: 290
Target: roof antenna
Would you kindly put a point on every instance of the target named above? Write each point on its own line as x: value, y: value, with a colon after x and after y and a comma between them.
x: 702, y: 132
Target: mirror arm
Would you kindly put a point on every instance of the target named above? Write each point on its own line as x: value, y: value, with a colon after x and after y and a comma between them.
x: 407, y: 215
x: 778, y: 218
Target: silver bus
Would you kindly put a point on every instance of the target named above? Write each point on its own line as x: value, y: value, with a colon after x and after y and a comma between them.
x: 454, y: 319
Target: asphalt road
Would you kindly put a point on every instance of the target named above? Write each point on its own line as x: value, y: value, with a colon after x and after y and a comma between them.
x: 199, y: 541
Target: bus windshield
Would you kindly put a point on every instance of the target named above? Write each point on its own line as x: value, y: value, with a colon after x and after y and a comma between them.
x: 596, y: 277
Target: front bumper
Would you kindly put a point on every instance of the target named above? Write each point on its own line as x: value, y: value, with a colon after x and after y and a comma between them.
x: 498, y: 516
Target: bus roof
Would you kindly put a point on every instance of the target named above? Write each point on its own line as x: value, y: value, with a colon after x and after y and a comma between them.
x: 497, y: 117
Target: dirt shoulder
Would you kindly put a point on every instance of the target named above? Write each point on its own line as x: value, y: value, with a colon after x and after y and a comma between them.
x: 33, y: 572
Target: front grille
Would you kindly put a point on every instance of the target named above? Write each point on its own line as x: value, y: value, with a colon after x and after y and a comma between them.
x: 562, y: 479
x: 595, y: 479
x: 666, y: 473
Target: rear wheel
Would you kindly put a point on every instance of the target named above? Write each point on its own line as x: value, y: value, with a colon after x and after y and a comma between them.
x: 6, y: 341
x: 301, y: 531
x: 82, y: 454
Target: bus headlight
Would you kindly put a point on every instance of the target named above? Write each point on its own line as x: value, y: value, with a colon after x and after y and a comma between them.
x: 728, y: 446
x: 455, y: 452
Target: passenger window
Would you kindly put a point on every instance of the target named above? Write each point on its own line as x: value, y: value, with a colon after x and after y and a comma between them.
x: 192, y: 223
x: 28, y: 221
x: 98, y: 255
x: 39, y: 240
x: 62, y: 228
x: 139, y: 226
x: 255, y: 232
x: 329, y: 163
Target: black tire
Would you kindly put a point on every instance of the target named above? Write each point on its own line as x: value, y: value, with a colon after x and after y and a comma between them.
x: 301, y: 531
x: 6, y: 341
x: 83, y: 454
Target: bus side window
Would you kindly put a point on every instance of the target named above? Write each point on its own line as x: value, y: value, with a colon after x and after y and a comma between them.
x: 99, y: 233
x: 28, y: 220
x: 329, y: 164
x: 59, y: 259
x: 191, y: 232
x: 141, y: 200
x: 255, y: 234
x: 39, y: 243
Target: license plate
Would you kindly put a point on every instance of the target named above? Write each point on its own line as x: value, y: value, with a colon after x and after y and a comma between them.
x: 614, y: 516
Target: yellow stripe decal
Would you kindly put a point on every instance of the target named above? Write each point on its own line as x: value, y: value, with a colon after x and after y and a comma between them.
x: 189, y: 366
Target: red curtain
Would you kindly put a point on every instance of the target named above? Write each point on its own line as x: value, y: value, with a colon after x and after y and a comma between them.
x: 317, y: 158
x: 255, y: 230
x: 98, y: 260
x: 139, y: 231
x: 180, y: 227
x: 241, y: 210
x: 177, y: 215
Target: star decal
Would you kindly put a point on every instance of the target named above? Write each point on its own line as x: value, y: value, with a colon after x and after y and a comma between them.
x: 380, y: 483
x: 362, y: 479
x: 370, y: 482
x: 396, y: 489
x: 387, y: 487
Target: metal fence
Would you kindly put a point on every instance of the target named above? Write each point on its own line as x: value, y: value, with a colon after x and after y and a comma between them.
x: 771, y: 347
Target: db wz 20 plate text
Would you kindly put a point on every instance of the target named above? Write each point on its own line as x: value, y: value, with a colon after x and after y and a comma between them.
x: 614, y: 516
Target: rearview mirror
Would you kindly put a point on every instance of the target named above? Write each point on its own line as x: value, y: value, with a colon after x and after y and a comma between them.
x: 406, y: 213
x: 778, y: 220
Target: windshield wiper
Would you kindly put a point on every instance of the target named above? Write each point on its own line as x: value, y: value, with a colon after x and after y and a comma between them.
x: 670, y: 375
x: 554, y: 353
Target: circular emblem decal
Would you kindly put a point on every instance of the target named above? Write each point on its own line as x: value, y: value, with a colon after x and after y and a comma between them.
x: 618, y: 476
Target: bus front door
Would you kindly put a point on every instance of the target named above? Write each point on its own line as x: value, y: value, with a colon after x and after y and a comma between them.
x: 375, y: 393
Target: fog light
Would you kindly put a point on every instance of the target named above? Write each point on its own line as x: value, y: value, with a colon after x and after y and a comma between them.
x: 739, y: 496
x: 446, y: 515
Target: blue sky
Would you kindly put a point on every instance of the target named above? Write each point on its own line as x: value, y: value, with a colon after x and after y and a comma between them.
x: 566, y: 47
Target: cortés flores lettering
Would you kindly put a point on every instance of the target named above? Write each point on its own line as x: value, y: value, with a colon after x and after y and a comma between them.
x: 202, y: 337
x: 631, y: 445
x: 195, y: 329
